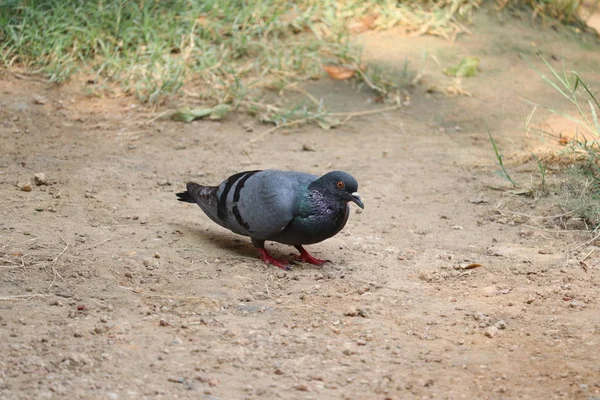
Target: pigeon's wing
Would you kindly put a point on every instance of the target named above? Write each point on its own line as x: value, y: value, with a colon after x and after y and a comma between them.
x: 260, y: 203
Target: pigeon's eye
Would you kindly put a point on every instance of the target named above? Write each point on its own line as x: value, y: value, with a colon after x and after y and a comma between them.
x: 341, y: 185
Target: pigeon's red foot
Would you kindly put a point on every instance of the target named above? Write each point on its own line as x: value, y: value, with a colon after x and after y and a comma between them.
x: 307, y: 258
x: 269, y: 259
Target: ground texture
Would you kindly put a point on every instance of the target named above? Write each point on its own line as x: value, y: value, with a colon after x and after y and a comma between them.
x: 110, y: 288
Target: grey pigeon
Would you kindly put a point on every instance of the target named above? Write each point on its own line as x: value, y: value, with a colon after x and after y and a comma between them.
x: 288, y: 207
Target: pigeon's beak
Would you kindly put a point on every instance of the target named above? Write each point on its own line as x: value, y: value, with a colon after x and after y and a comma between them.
x: 356, y: 198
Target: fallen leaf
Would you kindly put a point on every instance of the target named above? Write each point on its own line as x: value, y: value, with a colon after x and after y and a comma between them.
x: 185, y: 114
x: 471, y: 266
x: 362, y: 24
x: 219, y: 111
x: 339, y: 73
x: 466, y: 67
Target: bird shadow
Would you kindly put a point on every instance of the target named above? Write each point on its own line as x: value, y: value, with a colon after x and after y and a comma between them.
x: 240, y: 245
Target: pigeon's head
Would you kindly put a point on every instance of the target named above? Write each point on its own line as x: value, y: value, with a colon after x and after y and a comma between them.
x: 341, y: 185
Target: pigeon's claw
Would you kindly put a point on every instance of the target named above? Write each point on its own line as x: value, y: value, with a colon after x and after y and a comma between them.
x: 269, y: 259
x: 307, y: 258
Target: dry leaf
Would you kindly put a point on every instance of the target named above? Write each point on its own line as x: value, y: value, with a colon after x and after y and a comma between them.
x: 471, y: 266
x: 362, y: 24
x: 339, y: 73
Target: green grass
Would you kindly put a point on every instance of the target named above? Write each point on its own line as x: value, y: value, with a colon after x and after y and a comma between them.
x: 579, y: 192
x: 224, y: 51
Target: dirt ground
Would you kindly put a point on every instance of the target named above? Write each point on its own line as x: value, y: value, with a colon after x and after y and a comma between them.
x: 111, y: 289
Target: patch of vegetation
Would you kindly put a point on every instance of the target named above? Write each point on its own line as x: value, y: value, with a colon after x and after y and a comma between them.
x: 568, y: 11
x: 579, y: 192
x: 225, y: 51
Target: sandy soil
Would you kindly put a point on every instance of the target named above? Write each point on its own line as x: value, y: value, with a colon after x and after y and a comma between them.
x: 111, y: 289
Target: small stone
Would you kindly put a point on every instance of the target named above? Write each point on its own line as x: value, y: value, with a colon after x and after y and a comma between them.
x: 500, y: 324
x: 307, y: 147
x: 164, y: 322
x: 301, y: 387
x: 491, y: 331
x: 25, y: 187
x: 156, y: 255
x: 352, y: 312
x: 40, y: 179
x: 361, y: 342
x: 39, y: 99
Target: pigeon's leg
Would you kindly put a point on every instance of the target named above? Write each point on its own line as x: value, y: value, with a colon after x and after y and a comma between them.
x: 267, y: 258
x: 304, y: 256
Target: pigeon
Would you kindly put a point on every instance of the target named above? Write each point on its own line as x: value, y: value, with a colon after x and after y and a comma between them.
x: 293, y: 208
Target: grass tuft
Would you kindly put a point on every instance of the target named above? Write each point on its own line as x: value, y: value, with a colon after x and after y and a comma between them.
x: 227, y: 51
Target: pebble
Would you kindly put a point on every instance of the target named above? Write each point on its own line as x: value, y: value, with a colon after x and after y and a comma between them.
x: 156, y: 255
x: 352, y: 312
x: 491, y: 331
x: 40, y: 179
x: 39, y: 99
x: 500, y: 324
x: 301, y: 387
x: 25, y: 187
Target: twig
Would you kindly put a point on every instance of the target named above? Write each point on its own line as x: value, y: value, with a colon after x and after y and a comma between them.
x: 534, y: 216
x: 158, y: 116
x: 366, y: 112
x: 273, y: 129
x: 102, y: 241
x: 293, y: 86
x: 587, y: 242
x: 549, y: 230
x: 22, y: 297
x: 56, y: 274
x: 588, y: 255
x: 368, y: 81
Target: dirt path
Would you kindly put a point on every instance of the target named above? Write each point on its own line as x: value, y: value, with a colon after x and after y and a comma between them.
x: 110, y: 288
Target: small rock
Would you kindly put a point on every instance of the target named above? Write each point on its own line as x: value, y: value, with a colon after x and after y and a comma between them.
x: 157, y: 255
x: 307, y: 147
x: 500, y: 324
x: 40, y: 179
x: 491, y: 331
x: 576, y: 304
x: 301, y: 387
x: 25, y: 187
x: 39, y: 99
x: 478, y: 200
x: 352, y: 312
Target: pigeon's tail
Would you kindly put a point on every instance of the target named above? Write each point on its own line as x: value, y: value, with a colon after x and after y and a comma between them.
x: 206, y: 198
x: 185, y: 197
x: 198, y: 194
